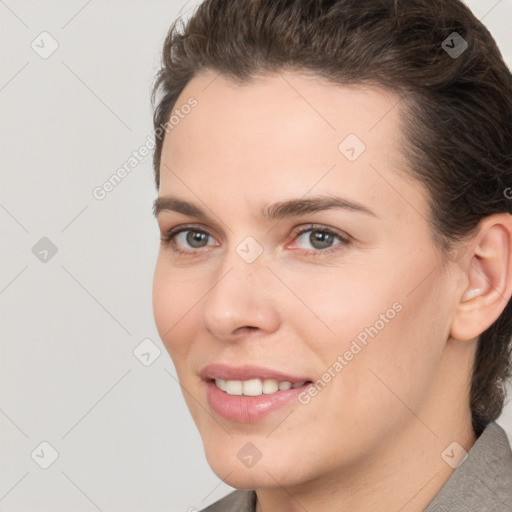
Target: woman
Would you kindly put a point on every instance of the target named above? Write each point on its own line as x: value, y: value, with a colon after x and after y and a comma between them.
x: 335, y: 273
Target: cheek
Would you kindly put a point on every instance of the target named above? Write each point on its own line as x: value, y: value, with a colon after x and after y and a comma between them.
x: 400, y: 359
x: 173, y: 307
x: 389, y: 331
x: 339, y: 303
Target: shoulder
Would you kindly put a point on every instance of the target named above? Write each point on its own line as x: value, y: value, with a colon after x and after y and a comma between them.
x: 236, y: 501
x: 483, y: 481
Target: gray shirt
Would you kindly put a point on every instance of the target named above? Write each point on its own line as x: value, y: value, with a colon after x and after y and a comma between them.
x: 482, y: 483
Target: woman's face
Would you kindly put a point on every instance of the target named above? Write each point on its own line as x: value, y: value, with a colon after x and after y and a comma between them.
x: 350, y: 299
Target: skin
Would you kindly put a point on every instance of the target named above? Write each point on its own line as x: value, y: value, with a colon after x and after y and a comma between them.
x: 372, y: 439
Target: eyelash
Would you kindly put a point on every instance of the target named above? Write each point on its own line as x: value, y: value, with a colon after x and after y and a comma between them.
x: 167, y: 240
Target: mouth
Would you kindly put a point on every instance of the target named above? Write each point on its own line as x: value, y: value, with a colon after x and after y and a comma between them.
x: 248, y: 394
x: 251, y: 380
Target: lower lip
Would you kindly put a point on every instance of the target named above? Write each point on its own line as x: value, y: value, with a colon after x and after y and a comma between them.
x: 249, y: 409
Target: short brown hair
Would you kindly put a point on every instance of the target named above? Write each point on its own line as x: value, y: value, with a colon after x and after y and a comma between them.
x: 457, y: 108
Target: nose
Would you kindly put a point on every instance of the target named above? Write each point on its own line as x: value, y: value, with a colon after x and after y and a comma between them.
x: 242, y: 301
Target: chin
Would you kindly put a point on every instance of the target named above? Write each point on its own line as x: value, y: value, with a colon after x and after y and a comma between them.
x: 231, y: 462
x: 249, y: 478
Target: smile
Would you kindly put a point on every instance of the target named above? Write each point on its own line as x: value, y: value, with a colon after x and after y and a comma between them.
x: 248, y: 394
x: 255, y: 387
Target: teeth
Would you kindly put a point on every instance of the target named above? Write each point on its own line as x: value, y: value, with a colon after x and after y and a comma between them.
x: 221, y: 384
x: 270, y: 386
x: 233, y: 387
x: 254, y: 387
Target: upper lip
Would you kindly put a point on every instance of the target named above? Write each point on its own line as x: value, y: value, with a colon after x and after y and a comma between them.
x: 247, y: 372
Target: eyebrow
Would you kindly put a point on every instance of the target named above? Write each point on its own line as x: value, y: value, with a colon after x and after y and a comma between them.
x: 275, y: 211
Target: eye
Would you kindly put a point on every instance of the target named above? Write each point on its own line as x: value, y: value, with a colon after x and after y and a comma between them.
x: 187, y: 237
x: 321, y: 239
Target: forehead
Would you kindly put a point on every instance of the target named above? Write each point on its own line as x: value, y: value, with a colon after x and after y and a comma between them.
x: 293, y: 101
x: 286, y: 132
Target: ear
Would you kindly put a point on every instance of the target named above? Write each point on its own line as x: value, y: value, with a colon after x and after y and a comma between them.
x: 487, y: 284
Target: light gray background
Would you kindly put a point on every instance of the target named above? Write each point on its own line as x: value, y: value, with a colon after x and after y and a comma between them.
x: 68, y: 375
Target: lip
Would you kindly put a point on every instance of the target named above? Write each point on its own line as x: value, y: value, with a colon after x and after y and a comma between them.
x: 222, y: 371
x: 248, y: 409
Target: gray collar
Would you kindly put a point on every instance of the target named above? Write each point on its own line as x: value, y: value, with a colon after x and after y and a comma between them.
x: 483, y: 481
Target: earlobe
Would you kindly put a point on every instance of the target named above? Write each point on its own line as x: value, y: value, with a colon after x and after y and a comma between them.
x: 488, y: 282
